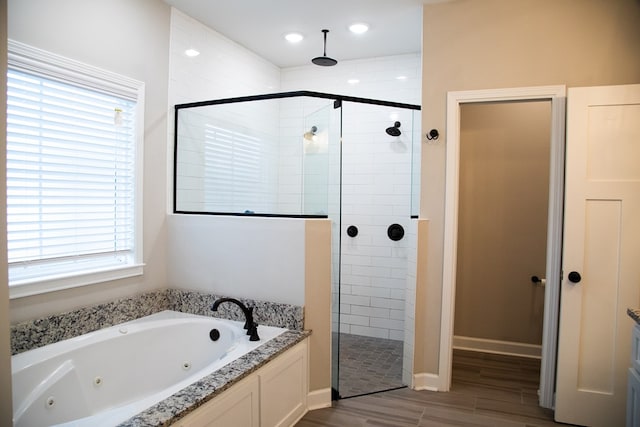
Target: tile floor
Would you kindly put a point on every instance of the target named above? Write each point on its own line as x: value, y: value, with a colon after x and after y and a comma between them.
x: 368, y: 365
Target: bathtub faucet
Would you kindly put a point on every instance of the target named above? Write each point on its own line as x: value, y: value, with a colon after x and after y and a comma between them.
x: 249, y: 324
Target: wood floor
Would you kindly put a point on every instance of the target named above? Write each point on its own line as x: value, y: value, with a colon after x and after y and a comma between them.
x: 487, y: 390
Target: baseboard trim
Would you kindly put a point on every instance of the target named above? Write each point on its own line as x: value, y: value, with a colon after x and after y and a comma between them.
x: 498, y: 347
x: 430, y: 382
x: 319, y: 399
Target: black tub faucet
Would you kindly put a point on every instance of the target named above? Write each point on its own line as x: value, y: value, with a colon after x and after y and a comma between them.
x: 249, y: 324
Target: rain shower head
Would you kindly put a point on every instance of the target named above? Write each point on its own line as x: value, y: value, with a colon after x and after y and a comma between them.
x: 324, y: 60
x: 394, y: 130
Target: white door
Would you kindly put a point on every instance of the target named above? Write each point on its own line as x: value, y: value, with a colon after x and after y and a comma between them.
x: 601, y: 255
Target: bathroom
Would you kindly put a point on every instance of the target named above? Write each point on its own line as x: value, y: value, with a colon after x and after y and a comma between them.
x: 138, y: 45
x: 197, y: 265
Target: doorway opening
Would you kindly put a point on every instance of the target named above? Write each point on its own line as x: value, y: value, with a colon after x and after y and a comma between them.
x: 457, y: 246
x: 502, y: 238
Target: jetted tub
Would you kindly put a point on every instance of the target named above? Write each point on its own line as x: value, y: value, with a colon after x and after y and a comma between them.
x: 107, y: 376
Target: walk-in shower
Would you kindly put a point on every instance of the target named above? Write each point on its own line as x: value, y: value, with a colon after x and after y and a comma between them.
x: 317, y: 155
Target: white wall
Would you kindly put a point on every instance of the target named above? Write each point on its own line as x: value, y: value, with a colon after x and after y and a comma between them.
x: 257, y: 258
x: 130, y: 38
x: 5, y: 347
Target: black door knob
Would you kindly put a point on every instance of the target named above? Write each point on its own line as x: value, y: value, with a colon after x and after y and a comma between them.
x: 574, y: 277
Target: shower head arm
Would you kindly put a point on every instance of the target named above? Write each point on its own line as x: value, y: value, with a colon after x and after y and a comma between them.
x: 325, y: 42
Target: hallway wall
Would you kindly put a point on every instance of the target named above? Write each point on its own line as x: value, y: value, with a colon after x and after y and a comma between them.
x: 502, y: 220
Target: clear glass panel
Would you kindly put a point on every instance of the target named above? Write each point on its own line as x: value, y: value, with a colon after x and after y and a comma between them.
x: 335, y: 195
x: 377, y: 152
x: 315, y: 164
x: 254, y: 157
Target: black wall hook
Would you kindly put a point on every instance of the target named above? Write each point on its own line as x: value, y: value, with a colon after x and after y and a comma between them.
x: 433, y: 135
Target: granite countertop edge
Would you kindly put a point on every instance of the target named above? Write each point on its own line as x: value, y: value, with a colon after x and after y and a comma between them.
x: 634, y: 313
x: 185, y: 401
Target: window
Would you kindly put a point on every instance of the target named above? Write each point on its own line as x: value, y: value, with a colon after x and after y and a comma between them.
x: 73, y: 188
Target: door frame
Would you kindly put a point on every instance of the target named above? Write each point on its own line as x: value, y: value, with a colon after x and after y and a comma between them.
x: 557, y: 96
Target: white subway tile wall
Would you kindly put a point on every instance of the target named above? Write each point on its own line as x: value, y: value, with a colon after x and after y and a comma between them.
x: 377, y: 278
x: 223, y: 69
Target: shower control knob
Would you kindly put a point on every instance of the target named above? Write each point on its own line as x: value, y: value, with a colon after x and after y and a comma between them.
x: 352, y: 231
x: 395, y: 232
x: 574, y: 277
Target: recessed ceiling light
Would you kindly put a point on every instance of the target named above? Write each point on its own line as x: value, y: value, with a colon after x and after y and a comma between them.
x: 359, y: 28
x: 401, y: 78
x: 294, y: 37
x: 191, y: 52
x: 353, y: 81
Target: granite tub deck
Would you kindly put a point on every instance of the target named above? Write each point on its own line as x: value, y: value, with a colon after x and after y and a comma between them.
x: 50, y: 329
x: 190, y: 398
x: 47, y: 330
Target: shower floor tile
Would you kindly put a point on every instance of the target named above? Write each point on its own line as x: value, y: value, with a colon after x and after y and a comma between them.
x: 368, y: 364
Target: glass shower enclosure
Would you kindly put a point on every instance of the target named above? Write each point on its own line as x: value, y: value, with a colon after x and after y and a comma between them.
x: 306, y: 154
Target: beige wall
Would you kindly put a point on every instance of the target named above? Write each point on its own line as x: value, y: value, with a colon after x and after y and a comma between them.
x: 130, y: 38
x: 504, y: 43
x: 5, y: 349
x: 317, y: 306
x: 502, y: 220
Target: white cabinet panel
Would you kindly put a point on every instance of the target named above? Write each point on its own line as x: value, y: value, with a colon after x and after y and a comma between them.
x: 283, y: 388
x: 239, y: 407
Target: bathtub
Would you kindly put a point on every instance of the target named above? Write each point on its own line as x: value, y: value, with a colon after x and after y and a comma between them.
x: 107, y: 376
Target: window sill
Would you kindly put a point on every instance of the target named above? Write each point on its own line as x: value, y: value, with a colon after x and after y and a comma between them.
x: 57, y: 283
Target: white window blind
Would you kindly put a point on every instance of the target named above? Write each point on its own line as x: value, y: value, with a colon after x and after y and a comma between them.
x: 234, y: 176
x: 71, y: 179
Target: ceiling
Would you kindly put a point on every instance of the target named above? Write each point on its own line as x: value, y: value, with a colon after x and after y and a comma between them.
x: 395, y: 26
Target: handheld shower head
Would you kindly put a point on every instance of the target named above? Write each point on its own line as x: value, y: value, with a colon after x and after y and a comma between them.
x: 394, y: 130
